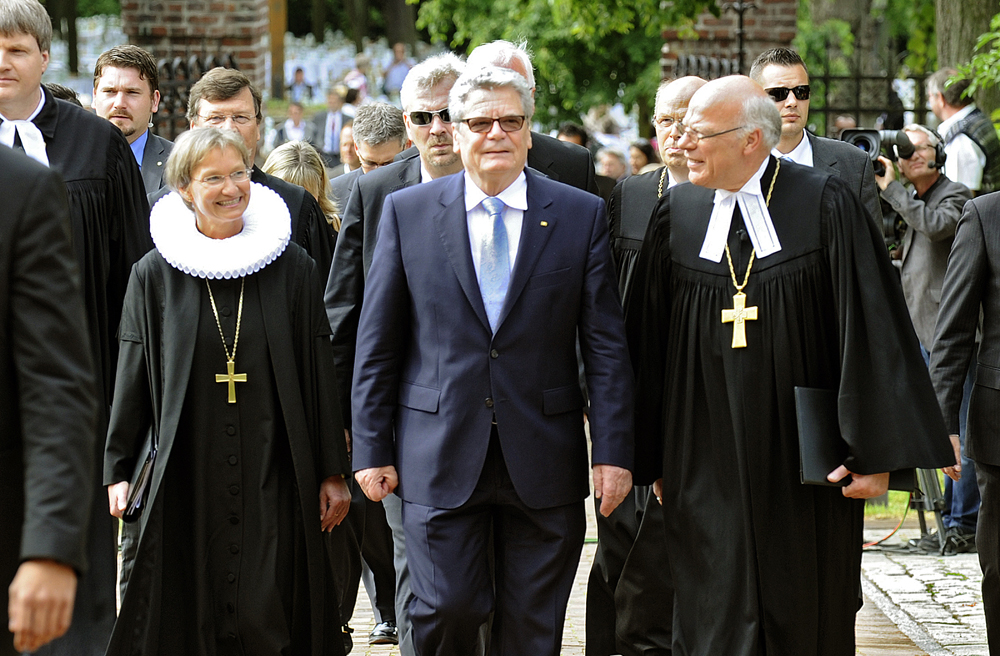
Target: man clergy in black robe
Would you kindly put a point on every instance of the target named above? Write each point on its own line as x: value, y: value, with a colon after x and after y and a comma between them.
x: 761, y: 563
x: 109, y: 217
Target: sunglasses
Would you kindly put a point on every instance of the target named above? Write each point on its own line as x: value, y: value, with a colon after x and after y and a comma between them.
x: 779, y: 94
x: 485, y: 124
x: 426, y: 118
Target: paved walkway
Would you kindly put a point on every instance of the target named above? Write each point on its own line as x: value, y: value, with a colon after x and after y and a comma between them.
x: 915, y: 604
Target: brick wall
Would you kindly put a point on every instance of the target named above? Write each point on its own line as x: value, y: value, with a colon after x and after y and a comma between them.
x: 180, y: 28
x: 770, y: 24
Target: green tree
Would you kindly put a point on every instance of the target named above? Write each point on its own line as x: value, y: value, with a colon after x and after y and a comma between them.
x: 585, y: 52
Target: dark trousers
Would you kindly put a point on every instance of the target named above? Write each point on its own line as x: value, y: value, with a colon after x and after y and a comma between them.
x: 988, y: 545
x: 615, y: 536
x: 536, y: 553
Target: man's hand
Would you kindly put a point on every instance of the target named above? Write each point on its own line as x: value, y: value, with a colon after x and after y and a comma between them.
x: 40, y: 603
x: 890, y: 174
x: 863, y: 486
x: 334, y: 502
x: 118, y: 498
x: 611, y: 485
x: 377, y: 482
x: 955, y: 471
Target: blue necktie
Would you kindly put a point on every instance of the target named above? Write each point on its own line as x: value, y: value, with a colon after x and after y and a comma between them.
x: 494, y: 262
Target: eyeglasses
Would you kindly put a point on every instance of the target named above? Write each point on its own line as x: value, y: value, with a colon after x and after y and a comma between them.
x: 665, y: 122
x: 779, y: 94
x: 483, y: 124
x: 218, y: 180
x: 216, y: 120
x: 426, y: 118
x: 698, y: 136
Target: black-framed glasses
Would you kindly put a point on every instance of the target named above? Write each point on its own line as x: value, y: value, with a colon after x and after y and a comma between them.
x: 698, y: 136
x: 482, y: 124
x: 218, y: 119
x: 779, y: 94
x: 218, y: 180
x: 426, y: 118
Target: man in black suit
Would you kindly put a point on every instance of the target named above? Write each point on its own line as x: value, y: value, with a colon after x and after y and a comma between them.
x: 785, y: 78
x: 424, y: 97
x: 379, y: 135
x: 327, y: 126
x: 127, y: 93
x: 48, y: 402
x: 970, y: 291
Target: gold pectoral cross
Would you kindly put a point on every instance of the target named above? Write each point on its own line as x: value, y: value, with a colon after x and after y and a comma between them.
x: 233, y: 378
x: 738, y: 316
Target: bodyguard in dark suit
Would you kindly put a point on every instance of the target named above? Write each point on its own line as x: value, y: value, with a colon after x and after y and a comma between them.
x: 785, y: 78
x: 972, y: 291
x: 466, y: 399
x: 328, y: 124
x: 48, y: 405
x: 127, y: 93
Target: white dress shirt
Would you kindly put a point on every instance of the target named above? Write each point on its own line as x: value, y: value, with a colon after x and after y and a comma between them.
x: 515, y: 197
x: 801, y: 154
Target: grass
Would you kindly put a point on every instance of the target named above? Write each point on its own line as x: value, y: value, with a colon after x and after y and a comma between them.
x: 894, y: 510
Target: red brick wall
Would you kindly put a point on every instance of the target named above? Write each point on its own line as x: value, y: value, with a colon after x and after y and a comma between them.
x: 770, y: 24
x: 179, y: 28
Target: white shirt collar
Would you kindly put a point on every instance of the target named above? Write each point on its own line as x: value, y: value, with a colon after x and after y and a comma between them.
x: 756, y: 217
x: 31, y: 137
x: 515, y: 195
x: 801, y: 154
x: 946, y: 124
x: 267, y: 228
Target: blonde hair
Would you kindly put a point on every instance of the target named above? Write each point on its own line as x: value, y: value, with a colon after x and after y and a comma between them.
x: 299, y: 163
x: 194, y: 145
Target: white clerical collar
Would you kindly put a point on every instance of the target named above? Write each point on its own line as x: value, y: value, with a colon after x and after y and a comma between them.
x: 267, y: 227
x: 671, y: 181
x: 515, y: 195
x: 801, y: 154
x: 755, y: 216
x: 31, y: 137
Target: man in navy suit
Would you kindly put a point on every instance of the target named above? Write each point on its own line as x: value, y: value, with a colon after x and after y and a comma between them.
x: 466, y: 395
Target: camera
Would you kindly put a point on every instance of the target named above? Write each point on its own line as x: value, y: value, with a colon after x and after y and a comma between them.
x: 895, y: 143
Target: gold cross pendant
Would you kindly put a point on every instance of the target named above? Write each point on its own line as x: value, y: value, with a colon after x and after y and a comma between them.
x: 231, y: 378
x: 738, y: 316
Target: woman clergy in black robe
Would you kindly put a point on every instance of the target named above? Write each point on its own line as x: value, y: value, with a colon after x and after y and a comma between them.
x: 225, y: 353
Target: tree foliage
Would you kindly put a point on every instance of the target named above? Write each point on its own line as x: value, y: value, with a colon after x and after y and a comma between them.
x: 585, y: 52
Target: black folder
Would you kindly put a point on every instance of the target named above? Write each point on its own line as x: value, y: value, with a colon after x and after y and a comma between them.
x: 821, y: 447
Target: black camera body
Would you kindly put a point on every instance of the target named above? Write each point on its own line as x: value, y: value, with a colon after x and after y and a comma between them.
x: 895, y: 143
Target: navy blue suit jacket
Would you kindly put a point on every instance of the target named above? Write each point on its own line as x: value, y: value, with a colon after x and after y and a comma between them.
x: 430, y: 374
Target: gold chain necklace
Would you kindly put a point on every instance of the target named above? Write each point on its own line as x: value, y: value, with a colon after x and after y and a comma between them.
x: 659, y: 190
x: 740, y: 313
x: 230, y: 376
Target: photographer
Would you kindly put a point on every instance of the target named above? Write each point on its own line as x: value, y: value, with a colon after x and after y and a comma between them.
x: 931, y: 213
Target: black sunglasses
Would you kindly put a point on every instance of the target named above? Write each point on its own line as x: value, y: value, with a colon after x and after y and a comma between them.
x: 426, y: 118
x: 779, y: 94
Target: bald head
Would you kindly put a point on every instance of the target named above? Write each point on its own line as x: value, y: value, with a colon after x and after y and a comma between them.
x: 672, y: 100
x: 729, y: 159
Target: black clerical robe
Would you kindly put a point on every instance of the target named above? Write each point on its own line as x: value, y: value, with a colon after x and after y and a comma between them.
x: 230, y: 550
x: 761, y: 563
x: 109, y: 216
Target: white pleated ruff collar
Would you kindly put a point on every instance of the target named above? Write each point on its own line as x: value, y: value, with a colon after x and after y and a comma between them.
x: 267, y: 228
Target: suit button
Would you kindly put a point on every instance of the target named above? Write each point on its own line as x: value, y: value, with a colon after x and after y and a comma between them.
x: 234, y: 490
x: 225, y: 312
x: 231, y: 577
x: 234, y: 549
x: 494, y: 354
x: 230, y: 430
x: 234, y: 520
x: 489, y: 403
x: 231, y: 608
x: 233, y: 460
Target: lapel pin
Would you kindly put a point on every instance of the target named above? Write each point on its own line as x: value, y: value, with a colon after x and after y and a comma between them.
x: 544, y: 224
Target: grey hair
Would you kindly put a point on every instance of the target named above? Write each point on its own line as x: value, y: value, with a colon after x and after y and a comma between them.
x: 759, y: 111
x: 193, y: 146
x: 503, y: 54
x: 933, y: 138
x: 428, y: 74
x: 661, y: 95
x: 378, y: 123
x: 490, y: 77
x: 26, y: 17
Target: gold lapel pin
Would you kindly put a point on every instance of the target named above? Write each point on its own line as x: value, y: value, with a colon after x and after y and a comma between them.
x: 544, y: 224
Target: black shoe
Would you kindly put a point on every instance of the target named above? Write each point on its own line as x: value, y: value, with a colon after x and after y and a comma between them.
x: 348, y: 641
x: 384, y: 634
x: 929, y: 543
x: 959, y: 540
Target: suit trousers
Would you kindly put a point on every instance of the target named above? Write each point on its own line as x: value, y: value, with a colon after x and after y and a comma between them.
x: 536, y: 554
x: 988, y: 545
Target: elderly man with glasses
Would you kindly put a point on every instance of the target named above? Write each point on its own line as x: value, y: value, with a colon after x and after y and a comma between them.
x: 466, y: 399
x: 760, y: 282
x: 785, y: 78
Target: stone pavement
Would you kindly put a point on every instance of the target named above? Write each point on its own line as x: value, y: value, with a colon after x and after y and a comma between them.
x: 915, y: 604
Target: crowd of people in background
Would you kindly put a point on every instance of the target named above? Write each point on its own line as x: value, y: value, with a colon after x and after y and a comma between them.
x: 426, y: 310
